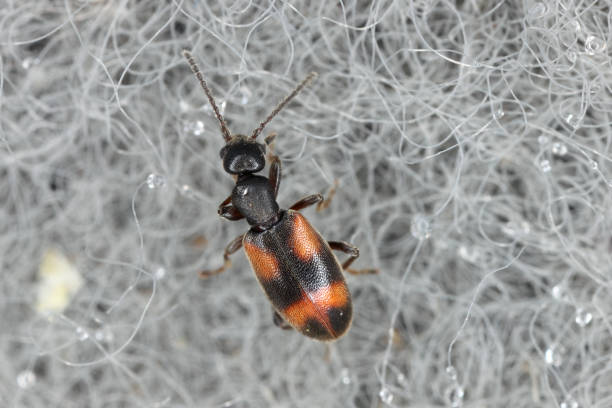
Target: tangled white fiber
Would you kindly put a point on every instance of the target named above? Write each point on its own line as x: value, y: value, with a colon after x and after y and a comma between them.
x: 471, y: 142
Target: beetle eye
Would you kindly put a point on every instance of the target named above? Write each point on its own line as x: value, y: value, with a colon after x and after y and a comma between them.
x: 223, y: 151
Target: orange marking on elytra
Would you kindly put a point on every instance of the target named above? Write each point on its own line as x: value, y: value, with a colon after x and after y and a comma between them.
x: 304, y: 239
x: 300, y: 311
x: 264, y: 263
x: 333, y: 295
x: 314, y: 305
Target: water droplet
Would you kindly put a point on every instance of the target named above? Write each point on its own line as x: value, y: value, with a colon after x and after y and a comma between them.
x: 196, y: 128
x: 29, y: 62
x: 159, y: 273
x: 222, y: 106
x: 537, y: 11
x: 385, y: 395
x: 345, y: 376
x: 99, y: 335
x: 553, y: 357
x: 184, y: 106
x: 509, y: 229
x: 104, y: 335
x: 559, y: 149
x: 573, y: 121
x: 155, y: 181
x: 543, y: 140
x: 187, y: 191
x: 594, y: 165
x: 246, y: 94
x: 420, y: 228
x: 514, y: 229
x: 525, y: 227
x: 81, y: 333
x: 401, y: 379
x: 468, y: 253
x: 545, y: 165
x: 572, y: 56
x: 583, y: 317
x: 499, y: 113
x: 451, y: 372
x: 454, y: 396
x: 569, y: 402
x: 595, y: 89
x: 26, y: 379
x: 559, y: 292
x: 594, y: 45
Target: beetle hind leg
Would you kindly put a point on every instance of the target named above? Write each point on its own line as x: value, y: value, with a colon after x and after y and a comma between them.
x: 280, y: 322
x: 353, y: 253
x: 230, y: 249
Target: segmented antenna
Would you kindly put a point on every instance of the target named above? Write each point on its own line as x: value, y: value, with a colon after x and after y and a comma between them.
x: 196, y: 70
x: 282, y: 103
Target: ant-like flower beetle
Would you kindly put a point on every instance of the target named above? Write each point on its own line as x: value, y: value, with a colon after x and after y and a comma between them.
x: 293, y: 263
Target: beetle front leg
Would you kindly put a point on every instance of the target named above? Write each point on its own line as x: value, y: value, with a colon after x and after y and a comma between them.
x: 353, y: 253
x: 228, y: 211
x: 275, y: 174
x: 275, y: 164
x: 230, y: 249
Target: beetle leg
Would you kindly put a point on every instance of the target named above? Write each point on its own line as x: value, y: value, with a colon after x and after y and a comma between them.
x: 353, y: 253
x: 325, y: 203
x: 322, y: 203
x: 275, y: 164
x: 275, y: 174
x: 307, y: 202
x: 280, y: 322
x: 232, y: 247
x: 269, y: 140
x: 228, y: 211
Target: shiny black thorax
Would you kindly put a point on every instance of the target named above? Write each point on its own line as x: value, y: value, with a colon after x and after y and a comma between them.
x: 254, y: 198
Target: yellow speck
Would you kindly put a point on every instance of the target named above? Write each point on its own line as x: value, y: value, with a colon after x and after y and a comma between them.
x: 58, y: 281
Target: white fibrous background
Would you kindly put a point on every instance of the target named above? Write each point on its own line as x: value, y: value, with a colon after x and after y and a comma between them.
x: 471, y: 146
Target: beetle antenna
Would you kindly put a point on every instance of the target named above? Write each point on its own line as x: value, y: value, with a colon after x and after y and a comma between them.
x: 196, y: 70
x: 282, y: 103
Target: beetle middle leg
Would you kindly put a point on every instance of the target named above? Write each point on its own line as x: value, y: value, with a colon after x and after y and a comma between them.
x: 307, y: 202
x: 353, y: 253
x: 280, y: 322
x: 318, y: 199
x: 325, y: 203
x: 231, y: 248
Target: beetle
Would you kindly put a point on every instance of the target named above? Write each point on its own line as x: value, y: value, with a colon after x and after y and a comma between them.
x: 294, y: 265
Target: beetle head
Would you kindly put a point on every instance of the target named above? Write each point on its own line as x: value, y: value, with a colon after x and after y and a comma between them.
x: 243, y: 155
